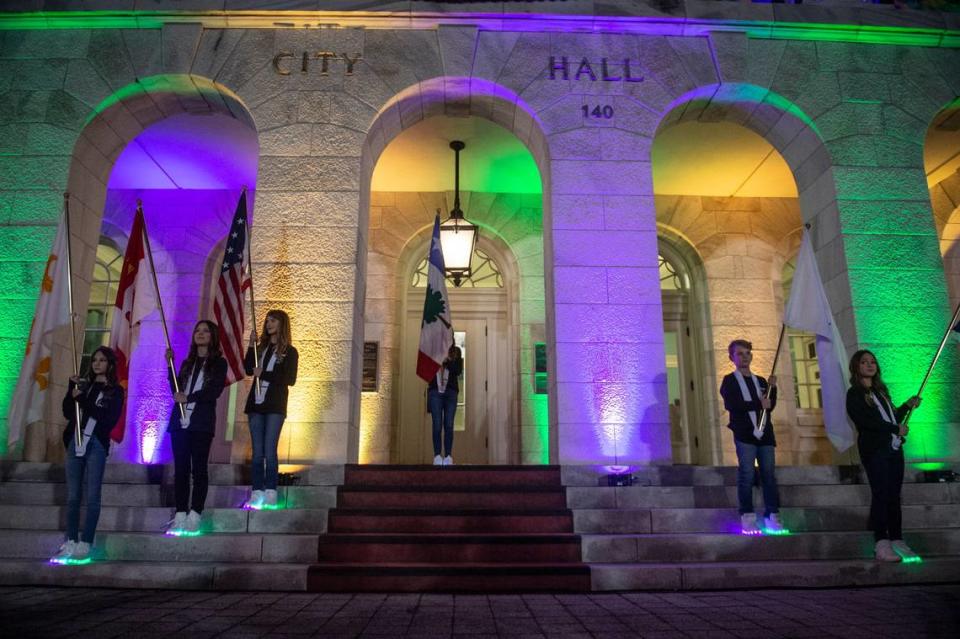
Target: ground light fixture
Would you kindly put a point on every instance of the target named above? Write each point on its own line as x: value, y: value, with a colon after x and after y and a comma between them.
x: 458, y: 236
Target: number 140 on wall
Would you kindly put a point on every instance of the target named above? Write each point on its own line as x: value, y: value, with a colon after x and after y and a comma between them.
x: 604, y: 112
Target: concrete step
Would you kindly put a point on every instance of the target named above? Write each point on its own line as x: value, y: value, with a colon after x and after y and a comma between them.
x: 212, y: 547
x: 639, y: 497
x: 142, y: 519
x: 123, y: 473
x: 721, y: 475
x: 725, y: 520
x: 450, y: 477
x: 381, y: 520
x: 709, y: 547
x: 198, y: 575
x: 145, y: 495
x: 439, y: 497
x: 475, y: 577
x: 381, y: 549
x: 771, y: 574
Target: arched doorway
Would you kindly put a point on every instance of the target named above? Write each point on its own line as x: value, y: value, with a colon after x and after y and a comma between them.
x: 482, y: 328
x: 690, y: 440
x: 503, y: 328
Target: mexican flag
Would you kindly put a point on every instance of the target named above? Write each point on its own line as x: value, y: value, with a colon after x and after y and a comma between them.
x: 436, y: 335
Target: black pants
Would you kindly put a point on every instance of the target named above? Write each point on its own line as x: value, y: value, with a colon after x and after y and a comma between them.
x: 885, y: 473
x: 190, y: 453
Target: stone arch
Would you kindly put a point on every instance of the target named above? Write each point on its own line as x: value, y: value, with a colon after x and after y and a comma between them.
x: 941, y: 151
x: 769, y: 228
x: 109, y: 129
x: 452, y: 96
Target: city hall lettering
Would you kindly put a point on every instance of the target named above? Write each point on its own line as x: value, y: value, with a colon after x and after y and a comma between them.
x: 604, y: 71
x: 283, y: 62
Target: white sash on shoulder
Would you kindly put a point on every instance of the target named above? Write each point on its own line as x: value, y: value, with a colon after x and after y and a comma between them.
x: 746, y: 397
x: 443, y: 376
x: 260, y: 389
x: 896, y: 441
x: 88, y: 430
x: 188, y: 408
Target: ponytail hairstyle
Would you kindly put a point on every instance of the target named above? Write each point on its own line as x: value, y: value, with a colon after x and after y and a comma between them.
x: 855, y: 381
x: 284, y: 339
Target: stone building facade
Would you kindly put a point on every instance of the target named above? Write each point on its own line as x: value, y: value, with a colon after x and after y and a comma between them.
x: 864, y: 118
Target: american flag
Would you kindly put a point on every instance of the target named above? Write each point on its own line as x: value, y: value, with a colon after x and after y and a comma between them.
x: 228, y: 302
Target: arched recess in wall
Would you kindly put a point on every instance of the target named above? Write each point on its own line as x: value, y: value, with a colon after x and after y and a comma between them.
x: 424, y: 104
x: 185, y: 146
x: 738, y: 168
x: 941, y: 159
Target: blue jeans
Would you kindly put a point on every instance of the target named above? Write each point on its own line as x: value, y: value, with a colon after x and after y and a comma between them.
x: 443, y: 408
x: 92, y: 464
x: 764, y: 456
x: 265, y: 435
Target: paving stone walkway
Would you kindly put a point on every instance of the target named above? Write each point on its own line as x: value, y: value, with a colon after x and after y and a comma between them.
x: 905, y: 612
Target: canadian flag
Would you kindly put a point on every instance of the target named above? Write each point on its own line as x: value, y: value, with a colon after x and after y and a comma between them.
x: 136, y: 298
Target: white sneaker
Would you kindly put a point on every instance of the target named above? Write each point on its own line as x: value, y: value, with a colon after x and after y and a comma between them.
x: 193, y: 522
x: 748, y: 524
x: 65, y: 552
x: 438, y: 460
x: 884, y: 551
x: 448, y: 461
x: 82, y: 551
x: 772, y: 525
x: 905, y: 552
x: 270, y: 498
x: 177, y: 523
x: 256, y: 500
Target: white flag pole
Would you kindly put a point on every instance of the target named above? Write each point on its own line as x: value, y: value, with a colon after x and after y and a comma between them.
x: 943, y: 343
x: 253, y: 308
x: 163, y: 318
x: 73, y: 329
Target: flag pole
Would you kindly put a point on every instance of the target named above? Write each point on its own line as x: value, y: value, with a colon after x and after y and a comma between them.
x: 78, y: 436
x: 765, y: 414
x: 163, y: 318
x: 253, y: 307
x: 943, y: 343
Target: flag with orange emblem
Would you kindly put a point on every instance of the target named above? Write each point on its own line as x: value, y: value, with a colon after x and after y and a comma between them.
x: 52, y: 315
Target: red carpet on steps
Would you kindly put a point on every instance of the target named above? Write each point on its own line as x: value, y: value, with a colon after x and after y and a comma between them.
x: 450, y: 529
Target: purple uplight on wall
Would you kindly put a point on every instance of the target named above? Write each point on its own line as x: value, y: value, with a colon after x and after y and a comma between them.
x: 189, y: 172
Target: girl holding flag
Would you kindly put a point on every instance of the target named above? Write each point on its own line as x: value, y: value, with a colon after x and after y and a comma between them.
x: 267, y: 402
x: 201, y: 379
x: 880, y: 442
x: 101, y: 400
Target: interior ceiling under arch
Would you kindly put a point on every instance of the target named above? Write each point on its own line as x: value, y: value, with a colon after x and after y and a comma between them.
x: 719, y: 159
x: 692, y: 158
x: 189, y: 151
x: 420, y: 159
x: 941, y: 149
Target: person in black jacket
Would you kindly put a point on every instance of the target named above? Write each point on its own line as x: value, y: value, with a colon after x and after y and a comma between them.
x: 442, y: 396
x: 744, y: 397
x: 202, y: 377
x: 101, y: 401
x: 267, y: 402
x: 880, y: 439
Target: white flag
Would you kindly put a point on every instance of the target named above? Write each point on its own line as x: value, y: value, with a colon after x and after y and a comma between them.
x: 808, y: 310
x: 52, y: 314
